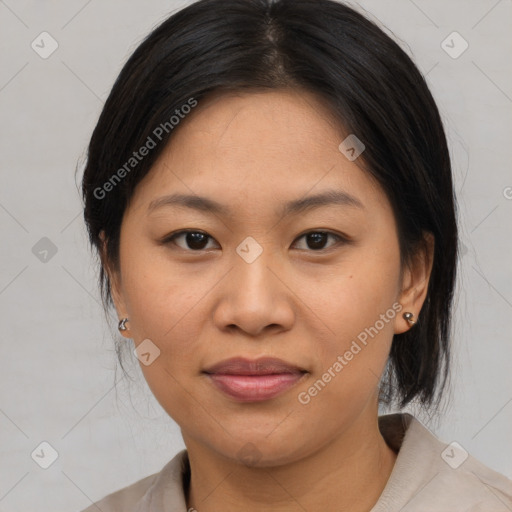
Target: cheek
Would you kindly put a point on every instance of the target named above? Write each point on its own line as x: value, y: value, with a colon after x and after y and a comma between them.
x: 159, y: 296
x: 353, y: 295
x: 165, y: 307
x: 360, y: 314
x: 169, y: 312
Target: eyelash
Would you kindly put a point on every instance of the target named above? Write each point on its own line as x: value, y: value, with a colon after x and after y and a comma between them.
x: 171, y: 238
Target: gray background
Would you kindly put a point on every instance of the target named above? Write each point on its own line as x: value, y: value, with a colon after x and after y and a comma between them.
x: 58, y: 363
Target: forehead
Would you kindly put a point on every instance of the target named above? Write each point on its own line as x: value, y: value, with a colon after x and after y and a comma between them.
x: 295, y: 117
x: 257, y: 146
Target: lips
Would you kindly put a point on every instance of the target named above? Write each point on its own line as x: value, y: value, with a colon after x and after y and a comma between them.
x: 254, y: 380
x: 261, y: 366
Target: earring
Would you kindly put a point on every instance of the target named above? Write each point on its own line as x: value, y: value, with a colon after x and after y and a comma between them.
x: 122, y: 324
x: 409, y: 317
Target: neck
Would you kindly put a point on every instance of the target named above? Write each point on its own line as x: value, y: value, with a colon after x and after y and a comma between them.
x: 348, y: 474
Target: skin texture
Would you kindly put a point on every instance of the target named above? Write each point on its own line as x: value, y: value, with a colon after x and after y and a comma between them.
x: 298, y: 301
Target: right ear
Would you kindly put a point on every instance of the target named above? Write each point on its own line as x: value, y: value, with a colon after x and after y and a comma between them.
x: 115, y: 282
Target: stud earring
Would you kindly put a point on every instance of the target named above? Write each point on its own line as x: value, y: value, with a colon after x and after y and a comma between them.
x: 409, y: 317
x: 122, y: 324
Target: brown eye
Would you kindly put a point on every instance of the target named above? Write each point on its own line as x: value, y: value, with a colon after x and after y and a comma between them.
x: 316, y: 240
x: 193, y: 240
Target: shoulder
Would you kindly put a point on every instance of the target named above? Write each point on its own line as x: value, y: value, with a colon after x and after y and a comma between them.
x: 124, y: 499
x: 138, y: 496
x: 431, y: 475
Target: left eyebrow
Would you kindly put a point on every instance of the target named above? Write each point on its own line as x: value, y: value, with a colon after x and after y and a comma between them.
x: 326, y: 198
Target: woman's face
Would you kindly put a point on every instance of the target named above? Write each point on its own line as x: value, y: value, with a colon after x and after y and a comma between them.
x: 254, y: 284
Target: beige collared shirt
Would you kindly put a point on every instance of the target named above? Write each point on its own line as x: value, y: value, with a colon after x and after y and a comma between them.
x: 428, y: 476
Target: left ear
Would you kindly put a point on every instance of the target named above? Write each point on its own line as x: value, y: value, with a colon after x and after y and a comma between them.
x: 415, y: 279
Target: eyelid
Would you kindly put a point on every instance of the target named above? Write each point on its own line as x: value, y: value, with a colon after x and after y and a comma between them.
x: 341, y: 239
x: 170, y: 238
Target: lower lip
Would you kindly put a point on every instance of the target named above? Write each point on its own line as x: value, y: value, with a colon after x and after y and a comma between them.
x: 254, y: 388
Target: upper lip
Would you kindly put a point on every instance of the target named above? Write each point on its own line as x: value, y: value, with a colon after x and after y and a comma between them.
x: 260, y: 366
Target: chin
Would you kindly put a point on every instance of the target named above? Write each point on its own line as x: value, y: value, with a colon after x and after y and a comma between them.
x: 259, y: 451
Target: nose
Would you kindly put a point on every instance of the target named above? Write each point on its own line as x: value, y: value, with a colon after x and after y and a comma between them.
x: 254, y: 297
